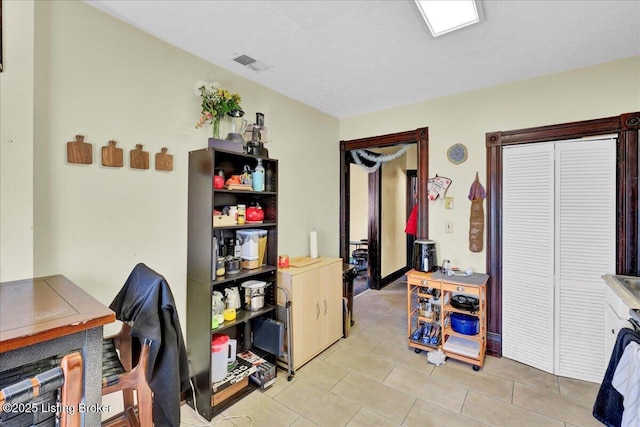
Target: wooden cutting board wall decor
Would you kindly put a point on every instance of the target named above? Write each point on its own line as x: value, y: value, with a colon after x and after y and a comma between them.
x: 79, y: 151
x: 164, y: 161
x: 111, y: 155
x: 139, y: 159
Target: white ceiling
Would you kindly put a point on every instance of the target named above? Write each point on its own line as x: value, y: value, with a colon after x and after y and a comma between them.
x: 351, y: 57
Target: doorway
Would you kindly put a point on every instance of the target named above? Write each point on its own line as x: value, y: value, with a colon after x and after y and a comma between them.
x: 626, y: 127
x: 375, y: 243
x: 412, y: 200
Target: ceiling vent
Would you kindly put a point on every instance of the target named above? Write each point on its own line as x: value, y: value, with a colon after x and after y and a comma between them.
x: 249, y: 62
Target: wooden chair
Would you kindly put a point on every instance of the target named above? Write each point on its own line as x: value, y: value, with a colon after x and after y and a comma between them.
x: 67, y: 378
x: 119, y: 375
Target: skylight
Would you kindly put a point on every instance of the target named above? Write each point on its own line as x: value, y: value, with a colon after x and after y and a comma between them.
x: 444, y: 16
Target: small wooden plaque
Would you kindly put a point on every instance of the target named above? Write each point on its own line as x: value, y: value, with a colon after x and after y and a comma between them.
x: 79, y: 151
x: 111, y: 155
x: 139, y: 159
x: 164, y: 161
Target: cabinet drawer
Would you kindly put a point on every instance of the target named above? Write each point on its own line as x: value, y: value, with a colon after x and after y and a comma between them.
x: 465, y: 289
x: 419, y: 280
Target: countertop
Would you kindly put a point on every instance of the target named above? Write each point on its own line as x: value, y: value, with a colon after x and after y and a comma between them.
x: 628, y: 299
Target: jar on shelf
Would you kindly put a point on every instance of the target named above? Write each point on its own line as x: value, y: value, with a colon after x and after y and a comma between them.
x: 242, y: 212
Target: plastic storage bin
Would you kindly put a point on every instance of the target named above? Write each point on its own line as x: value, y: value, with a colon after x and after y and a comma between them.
x: 253, y: 243
x: 465, y: 324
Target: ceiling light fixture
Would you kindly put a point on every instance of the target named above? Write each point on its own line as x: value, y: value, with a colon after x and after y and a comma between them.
x: 249, y: 62
x: 444, y: 16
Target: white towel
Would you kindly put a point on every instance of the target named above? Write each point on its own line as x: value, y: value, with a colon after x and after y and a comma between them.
x: 626, y: 380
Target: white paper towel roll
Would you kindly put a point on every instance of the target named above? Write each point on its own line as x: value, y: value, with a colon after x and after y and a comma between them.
x: 313, y: 244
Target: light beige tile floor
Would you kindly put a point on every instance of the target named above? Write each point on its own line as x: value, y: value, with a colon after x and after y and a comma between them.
x: 373, y: 379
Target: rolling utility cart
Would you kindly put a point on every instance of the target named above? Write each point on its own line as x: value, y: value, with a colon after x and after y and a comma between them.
x: 434, y: 322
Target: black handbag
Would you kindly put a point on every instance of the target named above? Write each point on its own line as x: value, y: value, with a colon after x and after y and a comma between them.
x: 466, y: 303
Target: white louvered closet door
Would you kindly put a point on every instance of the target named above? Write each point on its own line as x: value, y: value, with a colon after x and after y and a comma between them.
x: 558, y: 240
x: 527, y: 255
x: 585, y: 250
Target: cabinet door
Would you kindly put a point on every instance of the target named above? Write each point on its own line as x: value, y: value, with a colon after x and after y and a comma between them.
x: 307, y: 312
x: 612, y: 327
x: 330, y: 301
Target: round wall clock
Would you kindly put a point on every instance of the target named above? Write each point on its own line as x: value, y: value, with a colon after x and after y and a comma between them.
x: 457, y: 153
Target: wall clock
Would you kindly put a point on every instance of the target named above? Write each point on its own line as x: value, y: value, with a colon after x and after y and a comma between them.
x: 457, y: 153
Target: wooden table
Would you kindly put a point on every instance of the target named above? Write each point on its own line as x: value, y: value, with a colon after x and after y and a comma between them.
x: 46, y: 316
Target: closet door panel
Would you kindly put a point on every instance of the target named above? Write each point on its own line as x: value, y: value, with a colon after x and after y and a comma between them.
x: 585, y: 250
x: 527, y: 263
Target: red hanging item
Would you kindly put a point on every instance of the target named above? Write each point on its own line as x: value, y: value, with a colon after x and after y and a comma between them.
x: 412, y: 222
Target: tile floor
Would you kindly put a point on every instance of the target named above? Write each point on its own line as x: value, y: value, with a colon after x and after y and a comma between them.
x: 373, y: 379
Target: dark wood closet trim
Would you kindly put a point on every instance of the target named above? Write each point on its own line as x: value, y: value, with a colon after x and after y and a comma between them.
x: 420, y: 137
x: 627, y: 127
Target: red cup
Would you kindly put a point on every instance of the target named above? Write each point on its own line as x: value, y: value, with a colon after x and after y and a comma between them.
x: 283, y: 261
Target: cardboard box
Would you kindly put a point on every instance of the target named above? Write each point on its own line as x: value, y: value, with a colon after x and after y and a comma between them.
x: 223, y: 220
x: 221, y: 396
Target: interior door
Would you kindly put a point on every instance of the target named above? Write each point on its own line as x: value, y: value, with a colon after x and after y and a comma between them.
x: 559, y: 239
x: 527, y: 255
x: 585, y: 250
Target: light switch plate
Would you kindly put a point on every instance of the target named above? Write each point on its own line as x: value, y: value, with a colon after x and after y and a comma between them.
x: 448, y: 227
x: 448, y: 202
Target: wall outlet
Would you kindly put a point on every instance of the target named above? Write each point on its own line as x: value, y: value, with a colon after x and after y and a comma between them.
x: 448, y: 227
x: 448, y: 202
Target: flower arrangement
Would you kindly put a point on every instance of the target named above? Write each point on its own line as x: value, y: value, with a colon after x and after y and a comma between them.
x: 216, y: 103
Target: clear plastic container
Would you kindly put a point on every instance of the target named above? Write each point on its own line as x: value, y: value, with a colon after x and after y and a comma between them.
x: 250, y: 241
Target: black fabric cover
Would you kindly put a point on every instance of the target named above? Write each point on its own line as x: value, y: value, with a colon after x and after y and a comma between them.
x: 146, y: 301
x: 609, y: 403
x: 465, y: 302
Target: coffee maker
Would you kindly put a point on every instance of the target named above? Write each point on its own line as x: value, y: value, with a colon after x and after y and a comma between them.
x: 424, y: 255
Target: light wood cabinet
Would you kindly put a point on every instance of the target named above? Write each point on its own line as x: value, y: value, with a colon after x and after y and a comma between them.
x: 315, y: 292
x: 438, y: 290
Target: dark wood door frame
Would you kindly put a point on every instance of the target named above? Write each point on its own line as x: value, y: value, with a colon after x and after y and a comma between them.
x: 421, y: 138
x: 627, y: 128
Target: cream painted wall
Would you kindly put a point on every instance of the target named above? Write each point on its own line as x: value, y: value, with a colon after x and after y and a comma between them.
x: 16, y: 141
x: 101, y: 78
x: 358, y: 204
x: 393, y: 240
x: 600, y: 91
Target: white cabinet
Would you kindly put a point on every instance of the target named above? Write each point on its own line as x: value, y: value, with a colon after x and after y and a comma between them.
x: 315, y: 292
